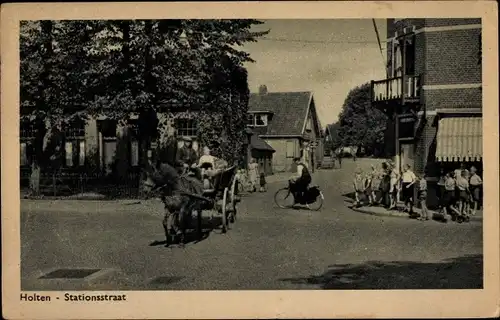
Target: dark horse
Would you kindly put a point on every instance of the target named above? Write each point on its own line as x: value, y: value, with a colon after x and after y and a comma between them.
x: 175, y: 189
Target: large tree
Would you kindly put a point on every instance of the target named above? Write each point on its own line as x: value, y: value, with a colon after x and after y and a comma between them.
x: 54, y: 86
x: 360, y: 124
x: 78, y: 68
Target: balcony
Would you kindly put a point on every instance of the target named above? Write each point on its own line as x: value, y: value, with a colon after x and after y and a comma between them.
x: 393, y: 90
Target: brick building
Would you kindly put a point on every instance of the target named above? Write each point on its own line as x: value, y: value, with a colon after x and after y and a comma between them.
x: 289, y: 123
x: 433, y: 94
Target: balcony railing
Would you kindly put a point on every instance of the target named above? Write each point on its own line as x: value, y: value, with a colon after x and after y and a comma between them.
x: 392, y: 89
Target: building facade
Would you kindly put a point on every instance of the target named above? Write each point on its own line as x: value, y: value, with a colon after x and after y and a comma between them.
x: 288, y: 122
x: 100, y: 146
x: 433, y: 94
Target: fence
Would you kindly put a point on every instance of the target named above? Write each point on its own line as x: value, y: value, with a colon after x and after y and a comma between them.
x: 68, y: 184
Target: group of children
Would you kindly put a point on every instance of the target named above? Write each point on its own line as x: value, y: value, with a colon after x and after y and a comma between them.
x: 377, y: 186
x: 256, y: 177
x: 459, y: 191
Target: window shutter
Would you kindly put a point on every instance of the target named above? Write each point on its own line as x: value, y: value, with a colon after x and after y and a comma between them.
x: 134, y: 153
x: 81, y: 157
x: 290, y: 149
x: 69, y: 153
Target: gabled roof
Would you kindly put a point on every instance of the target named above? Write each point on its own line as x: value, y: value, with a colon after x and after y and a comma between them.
x: 289, y: 111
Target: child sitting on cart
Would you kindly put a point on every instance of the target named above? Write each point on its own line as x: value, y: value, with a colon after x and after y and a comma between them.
x: 210, y: 166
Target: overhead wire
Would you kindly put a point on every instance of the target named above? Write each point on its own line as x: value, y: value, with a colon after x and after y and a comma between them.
x: 316, y: 41
x: 379, y: 43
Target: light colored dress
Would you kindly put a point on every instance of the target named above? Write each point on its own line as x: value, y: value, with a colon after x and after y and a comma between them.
x: 253, y: 173
x: 394, y: 181
x: 376, y: 180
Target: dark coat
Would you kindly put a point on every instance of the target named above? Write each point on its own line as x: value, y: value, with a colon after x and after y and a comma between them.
x: 187, y: 155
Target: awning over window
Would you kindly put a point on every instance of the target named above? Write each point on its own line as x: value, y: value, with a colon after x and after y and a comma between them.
x: 259, y: 144
x: 460, y: 139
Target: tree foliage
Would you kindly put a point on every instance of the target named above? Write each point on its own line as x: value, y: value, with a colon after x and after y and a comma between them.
x: 359, y: 123
x: 113, y: 68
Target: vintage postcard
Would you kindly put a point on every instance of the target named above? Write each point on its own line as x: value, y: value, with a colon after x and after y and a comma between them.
x: 250, y: 160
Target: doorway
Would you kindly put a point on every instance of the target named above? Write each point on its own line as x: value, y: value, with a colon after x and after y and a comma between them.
x: 407, y: 155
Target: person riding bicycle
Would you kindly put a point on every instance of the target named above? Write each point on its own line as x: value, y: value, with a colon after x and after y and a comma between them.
x: 299, y: 183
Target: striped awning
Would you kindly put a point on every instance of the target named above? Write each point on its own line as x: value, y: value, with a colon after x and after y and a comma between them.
x: 460, y: 139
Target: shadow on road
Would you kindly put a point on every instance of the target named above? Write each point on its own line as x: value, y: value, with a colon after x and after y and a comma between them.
x: 458, y: 273
x: 208, y: 226
x: 350, y: 196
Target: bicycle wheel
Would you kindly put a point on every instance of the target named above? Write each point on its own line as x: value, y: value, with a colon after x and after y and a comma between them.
x: 284, y: 198
x: 316, y: 205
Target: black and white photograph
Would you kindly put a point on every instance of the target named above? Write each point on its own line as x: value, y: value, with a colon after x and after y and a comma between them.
x: 190, y: 154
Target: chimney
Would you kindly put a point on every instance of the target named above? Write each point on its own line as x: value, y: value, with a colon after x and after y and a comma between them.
x: 262, y: 90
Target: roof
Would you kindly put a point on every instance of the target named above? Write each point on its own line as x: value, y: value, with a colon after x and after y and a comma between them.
x: 259, y: 144
x: 288, y: 108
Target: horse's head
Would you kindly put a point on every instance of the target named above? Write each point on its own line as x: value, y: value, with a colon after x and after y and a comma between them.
x: 149, y: 182
x: 164, y: 176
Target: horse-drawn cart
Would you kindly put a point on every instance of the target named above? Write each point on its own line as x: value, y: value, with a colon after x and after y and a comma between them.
x: 221, y: 199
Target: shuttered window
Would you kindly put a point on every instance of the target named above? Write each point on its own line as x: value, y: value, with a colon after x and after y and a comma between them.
x: 134, y: 153
x: 290, y: 149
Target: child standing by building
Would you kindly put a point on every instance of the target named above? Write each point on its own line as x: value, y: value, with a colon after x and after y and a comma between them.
x: 449, y: 196
x: 253, y: 174
x: 475, y: 182
x: 440, y: 189
x: 393, y: 186
x: 358, y: 187
x: 408, y: 180
x: 368, y: 187
x: 422, y: 196
x: 463, y: 196
x: 262, y: 182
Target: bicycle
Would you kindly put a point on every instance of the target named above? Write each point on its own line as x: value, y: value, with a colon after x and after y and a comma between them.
x: 312, y: 198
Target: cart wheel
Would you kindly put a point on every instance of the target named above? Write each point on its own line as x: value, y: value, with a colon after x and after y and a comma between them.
x: 232, y: 197
x: 224, y: 211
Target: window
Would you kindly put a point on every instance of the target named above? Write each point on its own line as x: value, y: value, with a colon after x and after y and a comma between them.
x: 68, y: 149
x: 405, y: 45
x: 186, y: 127
x: 257, y: 120
x: 109, y: 150
x: 250, y: 120
x: 27, y: 134
x: 74, y: 151
x: 108, y: 128
x: 290, y: 149
x: 74, y: 144
x: 81, y: 157
x: 407, y: 127
x: 410, y: 55
x: 134, y: 153
x: 134, y: 143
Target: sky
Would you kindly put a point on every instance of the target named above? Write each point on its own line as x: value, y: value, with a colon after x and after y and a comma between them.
x: 327, y: 57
